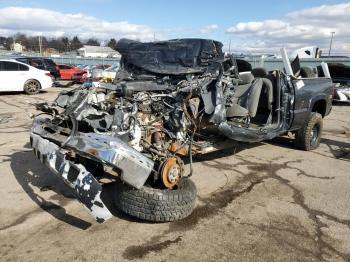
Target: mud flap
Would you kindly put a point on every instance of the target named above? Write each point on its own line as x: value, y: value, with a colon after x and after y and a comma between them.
x: 82, y: 183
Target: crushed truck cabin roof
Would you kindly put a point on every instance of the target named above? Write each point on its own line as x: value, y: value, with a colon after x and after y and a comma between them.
x: 173, y: 57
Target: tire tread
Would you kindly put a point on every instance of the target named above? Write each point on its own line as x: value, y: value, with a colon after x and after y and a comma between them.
x: 155, y: 204
x: 303, y: 135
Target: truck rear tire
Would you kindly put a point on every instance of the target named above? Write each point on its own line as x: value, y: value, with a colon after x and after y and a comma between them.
x: 157, y: 205
x: 308, y: 137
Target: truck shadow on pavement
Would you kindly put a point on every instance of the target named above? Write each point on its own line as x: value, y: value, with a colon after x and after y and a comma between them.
x: 35, y: 179
x: 339, y: 149
x: 230, y: 151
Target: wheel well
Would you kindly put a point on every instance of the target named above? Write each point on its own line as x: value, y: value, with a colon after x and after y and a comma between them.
x: 320, y: 107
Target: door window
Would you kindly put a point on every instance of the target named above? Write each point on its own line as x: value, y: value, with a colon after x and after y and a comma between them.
x: 10, y: 66
x: 23, y: 67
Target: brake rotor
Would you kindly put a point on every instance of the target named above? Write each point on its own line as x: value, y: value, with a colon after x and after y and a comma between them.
x: 171, y: 172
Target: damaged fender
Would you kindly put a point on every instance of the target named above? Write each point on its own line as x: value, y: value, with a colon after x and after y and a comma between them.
x: 134, y: 166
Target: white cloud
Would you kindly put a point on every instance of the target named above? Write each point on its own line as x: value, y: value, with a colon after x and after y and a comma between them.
x: 209, y: 28
x: 34, y: 21
x: 296, y: 29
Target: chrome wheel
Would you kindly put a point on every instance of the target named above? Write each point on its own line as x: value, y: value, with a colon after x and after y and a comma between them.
x: 32, y: 87
x: 314, y: 135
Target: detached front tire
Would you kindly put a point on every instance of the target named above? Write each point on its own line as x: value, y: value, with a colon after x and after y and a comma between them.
x: 157, y: 205
x: 32, y: 87
x: 308, y: 137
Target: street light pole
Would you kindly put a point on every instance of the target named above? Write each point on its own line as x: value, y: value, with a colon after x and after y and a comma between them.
x: 330, y: 45
x: 229, y: 46
x: 40, y: 45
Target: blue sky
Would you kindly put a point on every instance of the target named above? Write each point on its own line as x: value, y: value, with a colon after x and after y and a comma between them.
x: 173, y: 19
x: 179, y: 13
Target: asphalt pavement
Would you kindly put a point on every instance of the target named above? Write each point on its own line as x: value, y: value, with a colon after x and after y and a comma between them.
x: 257, y: 202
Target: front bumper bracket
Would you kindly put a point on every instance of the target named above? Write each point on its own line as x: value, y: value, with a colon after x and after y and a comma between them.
x: 83, y: 184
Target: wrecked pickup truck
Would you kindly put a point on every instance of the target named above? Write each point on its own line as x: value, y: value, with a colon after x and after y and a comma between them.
x: 170, y: 100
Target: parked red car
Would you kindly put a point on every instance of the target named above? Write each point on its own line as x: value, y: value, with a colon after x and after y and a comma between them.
x: 70, y: 72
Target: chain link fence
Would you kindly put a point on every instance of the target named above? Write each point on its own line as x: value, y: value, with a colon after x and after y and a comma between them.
x: 268, y: 63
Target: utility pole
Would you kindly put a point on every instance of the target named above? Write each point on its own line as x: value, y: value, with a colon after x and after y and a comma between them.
x: 330, y: 45
x: 154, y: 37
x: 229, y: 46
x: 40, y: 45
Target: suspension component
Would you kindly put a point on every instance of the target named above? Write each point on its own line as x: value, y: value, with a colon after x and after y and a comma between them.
x: 171, y: 172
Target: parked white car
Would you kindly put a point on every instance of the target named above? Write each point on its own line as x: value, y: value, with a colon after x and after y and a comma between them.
x: 109, y: 74
x: 17, y: 76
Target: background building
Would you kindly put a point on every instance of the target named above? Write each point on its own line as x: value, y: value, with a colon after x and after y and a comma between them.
x: 97, y: 51
x: 17, y: 47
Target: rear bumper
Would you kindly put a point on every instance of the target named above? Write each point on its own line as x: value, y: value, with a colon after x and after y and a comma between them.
x: 46, y: 83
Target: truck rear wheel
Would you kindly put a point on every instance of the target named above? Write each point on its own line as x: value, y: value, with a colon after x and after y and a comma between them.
x: 308, y: 137
x: 157, y: 205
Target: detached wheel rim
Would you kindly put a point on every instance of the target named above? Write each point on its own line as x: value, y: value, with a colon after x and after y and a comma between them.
x: 32, y: 86
x: 315, y: 132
